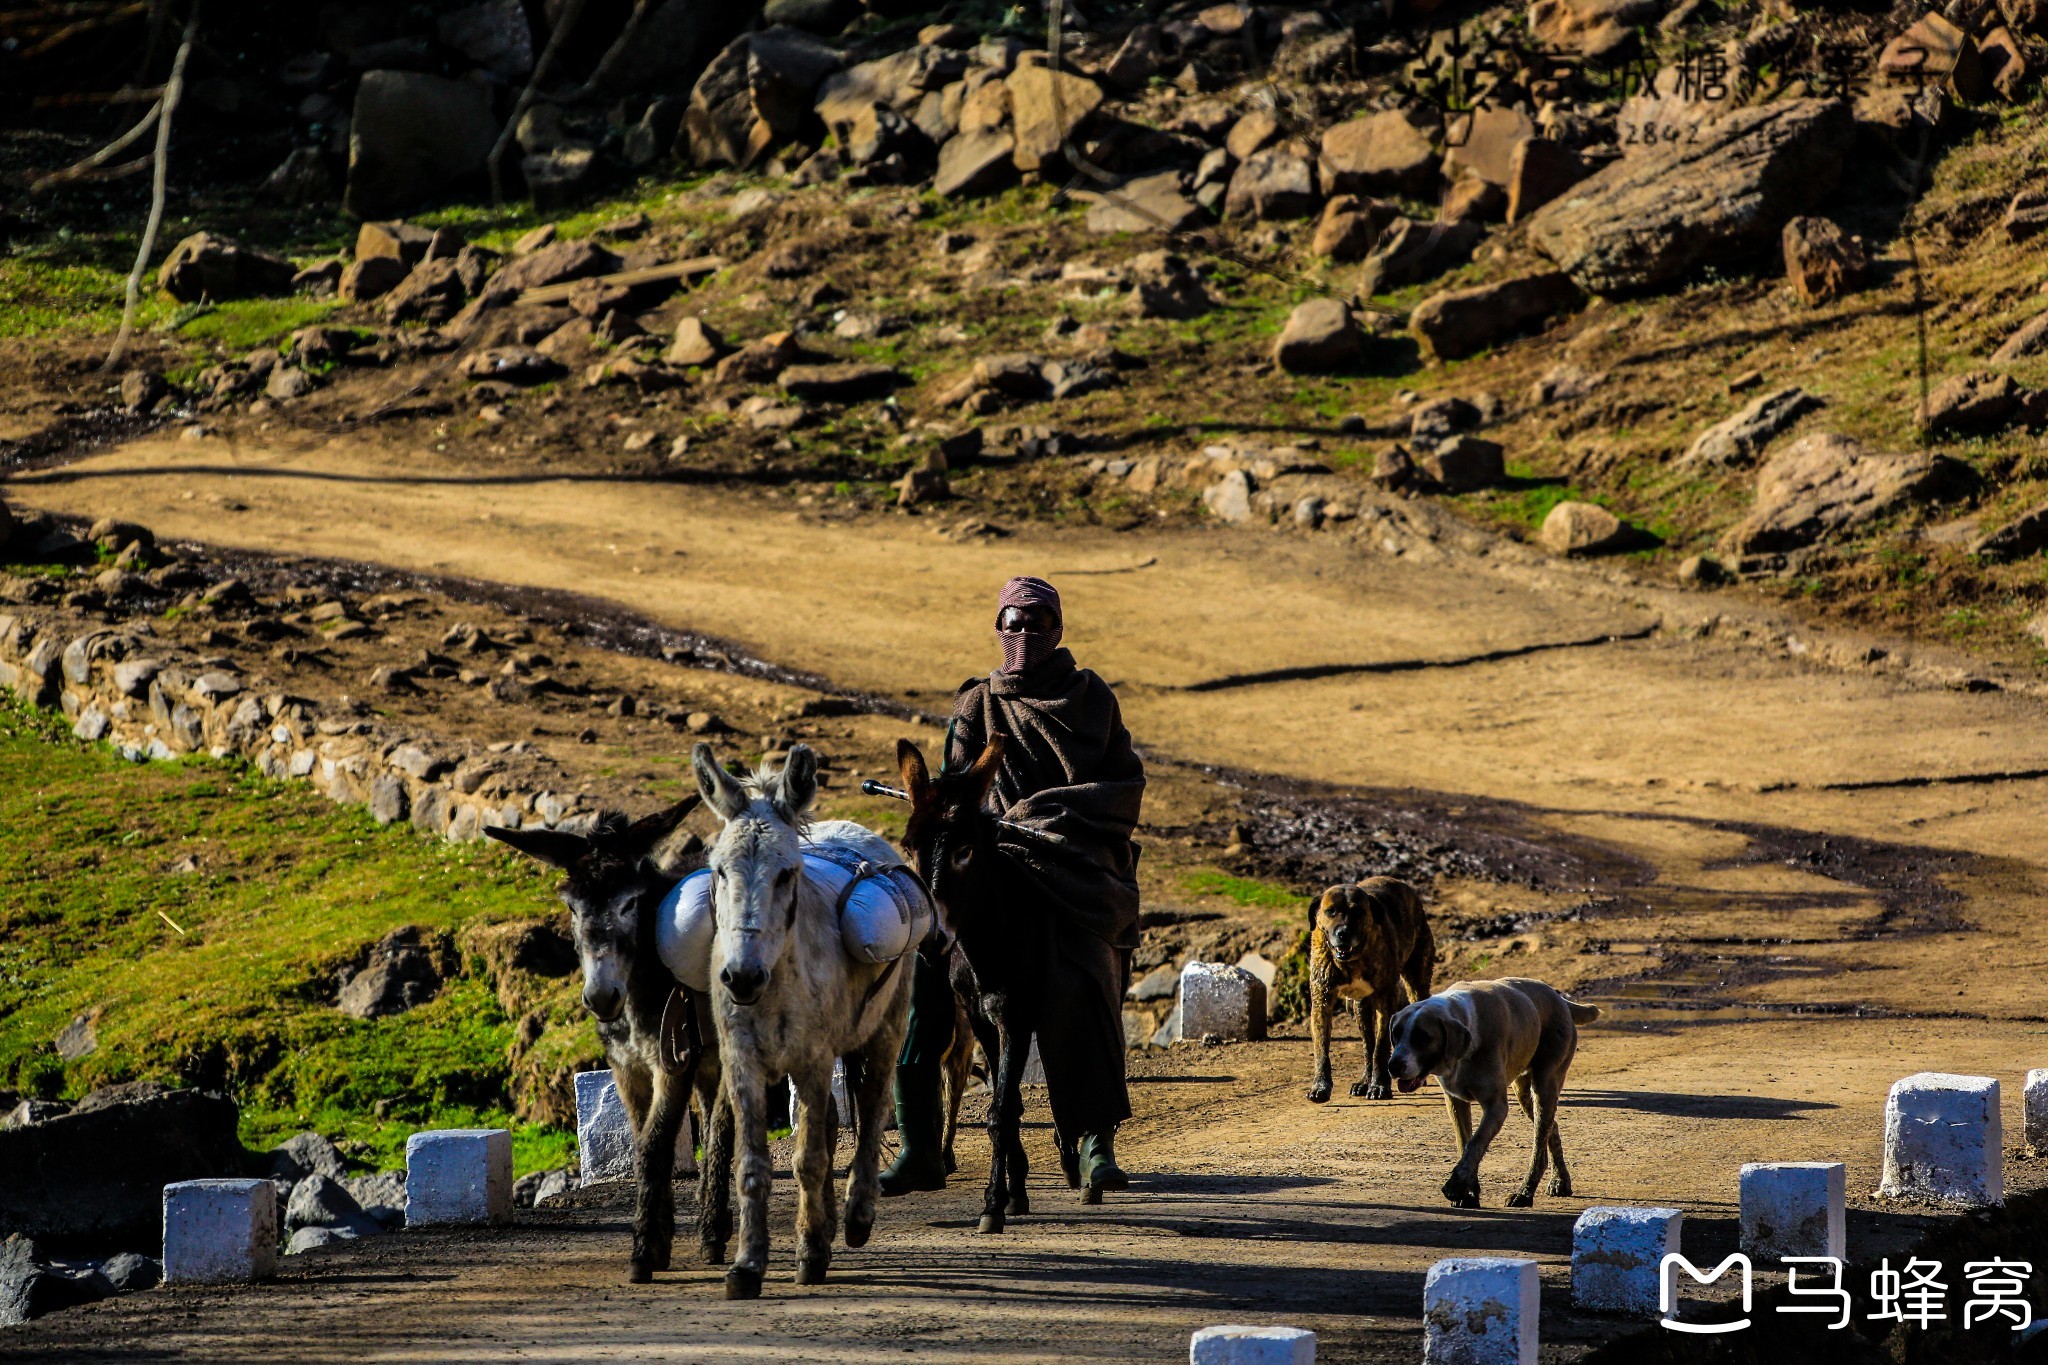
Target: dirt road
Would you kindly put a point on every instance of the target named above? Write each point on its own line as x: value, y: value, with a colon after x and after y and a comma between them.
x: 1817, y: 842
x: 1253, y: 1206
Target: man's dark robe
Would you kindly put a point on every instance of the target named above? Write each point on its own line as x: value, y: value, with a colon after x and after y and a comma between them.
x: 1068, y: 770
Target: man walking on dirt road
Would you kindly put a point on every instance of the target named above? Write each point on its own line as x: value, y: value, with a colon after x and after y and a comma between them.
x: 1068, y: 768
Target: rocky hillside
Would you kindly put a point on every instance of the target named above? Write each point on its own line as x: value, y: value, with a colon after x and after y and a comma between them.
x: 1619, y: 278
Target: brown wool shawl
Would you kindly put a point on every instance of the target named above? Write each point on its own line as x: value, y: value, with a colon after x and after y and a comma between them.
x: 1068, y: 770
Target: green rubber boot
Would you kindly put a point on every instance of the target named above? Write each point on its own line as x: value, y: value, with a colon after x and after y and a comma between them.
x: 921, y: 1165
x: 1099, y: 1170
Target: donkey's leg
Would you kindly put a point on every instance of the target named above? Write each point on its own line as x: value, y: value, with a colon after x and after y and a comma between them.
x: 654, y: 1209
x: 1006, y: 1111
x: 1006, y: 1063
x: 871, y: 1101
x: 747, y: 1092
x: 714, y: 1178
x: 816, y: 1218
x: 1016, y: 1165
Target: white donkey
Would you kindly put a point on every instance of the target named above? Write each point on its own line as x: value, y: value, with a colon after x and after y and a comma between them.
x: 788, y: 1000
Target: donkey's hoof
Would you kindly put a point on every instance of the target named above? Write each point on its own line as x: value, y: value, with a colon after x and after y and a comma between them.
x: 1020, y: 1203
x: 1091, y: 1194
x: 1070, y: 1166
x: 712, y: 1253
x: 859, y: 1229
x: 1521, y: 1199
x: 640, y: 1273
x: 1319, y: 1093
x: 742, y: 1283
x: 990, y: 1222
x: 1559, y: 1185
x: 809, y: 1271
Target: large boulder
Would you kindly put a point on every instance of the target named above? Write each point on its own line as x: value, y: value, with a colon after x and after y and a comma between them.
x: 755, y: 95
x: 1486, y: 151
x: 1590, y: 28
x: 1739, y: 439
x: 1822, y: 262
x: 1046, y: 108
x: 1276, y: 183
x: 1409, y: 252
x: 1647, y: 220
x: 1461, y: 322
x: 1321, y: 337
x: 209, y: 266
x: 1976, y: 403
x: 403, y: 969
x: 96, y: 1176
x: 415, y: 138
x: 30, y: 1286
x: 2030, y: 339
x: 1383, y: 153
x: 1825, y: 483
x: 1582, y: 528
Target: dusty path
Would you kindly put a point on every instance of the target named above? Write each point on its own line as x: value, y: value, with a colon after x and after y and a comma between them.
x: 1776, y: 878
x: 1254, y: 1206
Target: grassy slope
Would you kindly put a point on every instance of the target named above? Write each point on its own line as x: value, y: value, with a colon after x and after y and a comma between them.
x: 287, y: 884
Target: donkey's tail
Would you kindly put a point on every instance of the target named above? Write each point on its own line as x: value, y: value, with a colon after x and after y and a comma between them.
x: 1582, y: 1014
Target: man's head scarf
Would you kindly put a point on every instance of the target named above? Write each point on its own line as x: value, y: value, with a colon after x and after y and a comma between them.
x: 1024, y: 650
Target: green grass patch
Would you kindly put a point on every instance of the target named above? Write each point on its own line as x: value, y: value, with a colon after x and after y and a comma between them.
x: 286, y: 886
x: 241, y: 326
x: 39, y: 296
x: 1245, y: 891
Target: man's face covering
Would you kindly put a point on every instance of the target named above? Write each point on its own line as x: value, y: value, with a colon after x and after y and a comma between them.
x: 1028, y: 624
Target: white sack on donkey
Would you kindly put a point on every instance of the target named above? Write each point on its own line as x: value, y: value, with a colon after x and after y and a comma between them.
x: 883, y: 909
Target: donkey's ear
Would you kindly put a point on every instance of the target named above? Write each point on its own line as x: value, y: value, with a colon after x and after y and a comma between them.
x: 910, y: 762
x: 549, y: 846
x: 987, y: 766
x: 797, y: 785
x: 720, y: 789
x: 643, y: 834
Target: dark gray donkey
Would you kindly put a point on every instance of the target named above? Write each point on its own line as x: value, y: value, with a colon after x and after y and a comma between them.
x: 999, y: 958
x: 657, y: 1036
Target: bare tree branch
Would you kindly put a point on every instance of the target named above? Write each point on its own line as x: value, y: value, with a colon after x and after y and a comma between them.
x: 174, y: 89
x: 84, y: 170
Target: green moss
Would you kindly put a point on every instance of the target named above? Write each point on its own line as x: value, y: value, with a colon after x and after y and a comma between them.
x: 218, y: 976
x: 40, y: 295
x: 241, y: 326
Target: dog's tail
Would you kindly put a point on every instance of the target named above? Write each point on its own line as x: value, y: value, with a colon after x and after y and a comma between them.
x: 1582, y: 1014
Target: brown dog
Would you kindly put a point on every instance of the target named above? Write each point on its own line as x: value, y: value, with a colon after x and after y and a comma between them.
x: 1477, y: 1037
x: 1364, y: 941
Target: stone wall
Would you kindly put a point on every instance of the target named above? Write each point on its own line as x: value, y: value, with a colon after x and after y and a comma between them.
x: 153, y: 701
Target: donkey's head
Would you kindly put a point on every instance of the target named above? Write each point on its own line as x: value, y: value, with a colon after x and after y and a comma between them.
x: 951, y: 838
x: 756, y: 864
x: 613, y: 884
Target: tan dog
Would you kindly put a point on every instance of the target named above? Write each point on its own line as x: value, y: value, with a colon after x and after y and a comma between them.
x: 1364, y: 942
x: 1475, y: 1038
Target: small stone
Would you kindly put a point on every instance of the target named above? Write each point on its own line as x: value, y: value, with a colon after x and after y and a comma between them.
x: 1581, y: 528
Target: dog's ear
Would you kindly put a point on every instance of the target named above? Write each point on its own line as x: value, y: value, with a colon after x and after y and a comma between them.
x: 1315, y: 905
x: 1457, y: 1038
